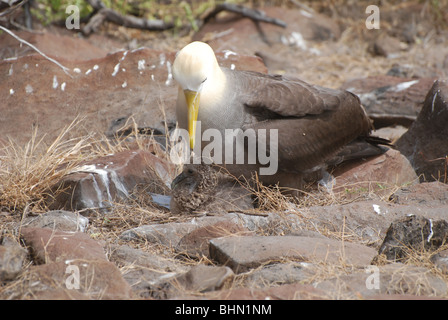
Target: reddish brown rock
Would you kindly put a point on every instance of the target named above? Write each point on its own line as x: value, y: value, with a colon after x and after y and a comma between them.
x: 49, y: 245
x: 100, y: 182
x: 244, y: 253
x: 78, y: 279
x: 196, y: 243
x: 425, y: 144
x: 375, y: 174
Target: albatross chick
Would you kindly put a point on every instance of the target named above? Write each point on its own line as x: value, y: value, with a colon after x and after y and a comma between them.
x: 201, y: 188
x: 305, y: 127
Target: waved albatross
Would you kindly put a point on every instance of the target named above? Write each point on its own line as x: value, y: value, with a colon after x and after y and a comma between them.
x: 315, y: 126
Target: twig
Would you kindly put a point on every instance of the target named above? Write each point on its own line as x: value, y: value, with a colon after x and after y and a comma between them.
x: 65, y: 69
x: 12, y: 8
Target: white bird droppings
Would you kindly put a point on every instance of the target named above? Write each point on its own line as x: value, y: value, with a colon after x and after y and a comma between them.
x: 55, y: 82
x: 141, y: 64
x: 63, y: 86
x: 28, y: 89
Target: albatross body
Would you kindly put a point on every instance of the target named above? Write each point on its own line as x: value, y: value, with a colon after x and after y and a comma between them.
x: 314, y: 125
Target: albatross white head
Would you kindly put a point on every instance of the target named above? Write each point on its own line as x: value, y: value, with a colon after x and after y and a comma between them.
x: 198, y: 74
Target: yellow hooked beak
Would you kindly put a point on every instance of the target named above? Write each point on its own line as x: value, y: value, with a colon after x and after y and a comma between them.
x: 192, y: 98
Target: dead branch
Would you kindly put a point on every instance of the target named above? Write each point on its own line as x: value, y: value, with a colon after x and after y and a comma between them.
x: 105, y: 14
x: 253, y: 14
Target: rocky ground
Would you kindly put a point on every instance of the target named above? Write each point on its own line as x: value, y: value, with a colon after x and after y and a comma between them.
x: 84, y: 190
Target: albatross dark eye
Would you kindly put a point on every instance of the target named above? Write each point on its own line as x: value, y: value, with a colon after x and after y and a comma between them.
x: 204, y: 80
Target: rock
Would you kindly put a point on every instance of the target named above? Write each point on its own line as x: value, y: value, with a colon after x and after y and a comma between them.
x: 295, y: 291
x: 279, y: 274
x: 198, y: 279
x: 12, y: 257
x: 143, y: 270
x: 170, y: 234
x: 390, y: 100
x: 132, y: 82
x: 425, y: 143
x: 244, y: 253
x: 204, y: 278
x: 100, y: 182
x: 440, y: 260
x: 57, y: 220
x: 393, y: 279
x: 366, y: 221
x: 377, y: 174
x: 195, y: 243
x: 53, y: 246
x: 424, y: 194
x: 123, y: 255
x: 413, y: 233
x: 78, y: 279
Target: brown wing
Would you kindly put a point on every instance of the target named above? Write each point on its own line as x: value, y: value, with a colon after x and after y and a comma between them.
x: 287, y: 96
x: 313, y: 123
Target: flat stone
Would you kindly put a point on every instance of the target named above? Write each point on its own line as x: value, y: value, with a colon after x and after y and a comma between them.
x: 279, y: 274
x: 368, y: 220
x: 294, y: 291
x: 245, y: 253
x: 422, y: 194
x: 57, y: 220
x: 53, y: 246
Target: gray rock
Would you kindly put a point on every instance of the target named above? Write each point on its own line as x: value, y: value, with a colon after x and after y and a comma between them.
x: 440, y: 260
x: 12, y: 257
x: 392, y: 279
x: 423, y: 194
x: 425, y: 143
x: 279, y: 273
x: 244, y: 253
x: 58, y: 220
x: 413, y: 233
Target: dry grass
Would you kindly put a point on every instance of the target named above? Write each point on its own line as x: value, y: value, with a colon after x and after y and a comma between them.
x: 27, y: 172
